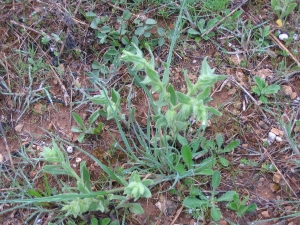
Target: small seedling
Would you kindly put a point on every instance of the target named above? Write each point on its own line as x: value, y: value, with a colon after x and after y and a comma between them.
x: 203, y: 26
x: 198, y: 202
x: 263, y: 90
x: 240, y: 206
x: 89, y: 129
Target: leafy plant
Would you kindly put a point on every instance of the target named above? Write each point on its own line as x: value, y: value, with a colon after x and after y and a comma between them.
x: 218, y: 148
x: 283, y: 7
x: 240, y: 206
x: 80, y: 199
x: 198, y: 202
x: 203, y: 26
x: 263, y: 90
x: 89, y: 129
x: 179, y: 107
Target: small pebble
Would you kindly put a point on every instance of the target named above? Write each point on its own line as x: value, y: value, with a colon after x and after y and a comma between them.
x: 74, y: 165
x: 271, y: 137
x: 194, y: 61
x: 296, y: 37
x: 19, y: 127
x: 70, y: 149
x: 283, y: 36
x: 1, y: 158
x: 78, y: 160
x: 278, y: 139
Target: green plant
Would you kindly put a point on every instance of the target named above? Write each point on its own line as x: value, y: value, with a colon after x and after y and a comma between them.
x: 179, y: 106
x: 240, y: 206
x: 203, y: 26
x: 217, y: 147
x: 197, y: 202
x: 263, y: 90
x: 283, y: 7
x: 81, y: 198
x: 89, y: 129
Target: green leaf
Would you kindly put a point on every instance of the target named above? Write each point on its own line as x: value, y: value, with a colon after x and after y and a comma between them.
x: 125, y: 40
x: 136, y: 208
x: 232, y: 145
x: 126, y: 14
x: 182, y: 140
x: 290, y: 8
x: 105, y: 29
x: 219, y: 140
x: 115, y: 96
x: 192, y: 31
x: 263, y: 99
x: 203, y: 95
x: 216, y: 179
x: 180, y: 168
x: 85, y: 175
x: 215, y: 213
x: 94, y: 24
x: 56, y: 37
x: 93, y: 117
x: 182, y: 98
x: 272, y: 89
x: 227, y: 197
x: 193, y: 203
x: 247, y: 209
x: 80, y: 138
x: 152, y: 74
x: 55, y: 170
x: 78, y: 120
x: 98, y: 129
x: 259, y: 82
x: 170, y: 117
x: 34, y: 193
x: 76, y: 130
x: 139, y: 31
x: 256, y: 90
x: 187, y: 156
x: 223, y: 161
x: 173, y: 96
x: 150, y: 21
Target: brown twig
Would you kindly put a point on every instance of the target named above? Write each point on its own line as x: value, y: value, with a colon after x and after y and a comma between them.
x: 62, y: 86
x: 6, y: 146
x: 224, y: 18
x: 177, y: 215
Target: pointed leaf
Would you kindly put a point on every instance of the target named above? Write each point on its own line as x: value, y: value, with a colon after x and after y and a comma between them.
x: 187, y: 156
x: 78, y: 120
x: 216, y: 179
x: 173, y: 96
x: 215, y: 213
x: 227, y: 197
x: 85, y: 175
x: 231, y: 146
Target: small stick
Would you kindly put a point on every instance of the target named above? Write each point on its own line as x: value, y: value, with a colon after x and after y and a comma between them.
x: 6, y: 146
x: 177, y: 215
x: 224, y: 18
x: 62, y: 86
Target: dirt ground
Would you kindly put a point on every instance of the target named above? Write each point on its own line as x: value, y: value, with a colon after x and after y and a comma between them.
x: 30, y: 121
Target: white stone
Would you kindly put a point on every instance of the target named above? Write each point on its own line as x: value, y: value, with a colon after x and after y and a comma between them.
x: 78, y: 160
x: 271, y: 137
x: 70, y: 149
x: 283, y: 36
x: 278, y: 139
